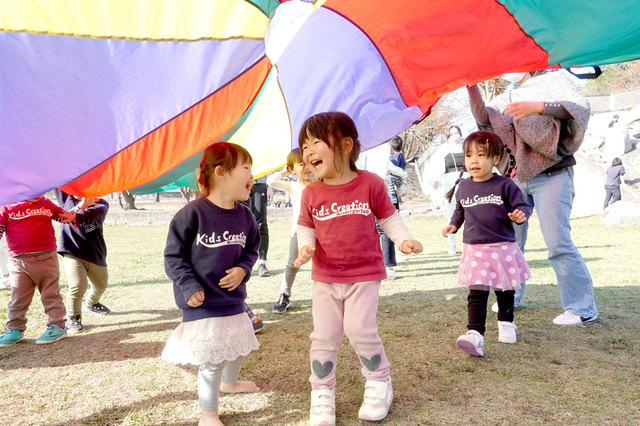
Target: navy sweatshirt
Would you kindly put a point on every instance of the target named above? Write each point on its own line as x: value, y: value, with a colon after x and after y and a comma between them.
x: 86, y: 240
x: 483, y: 208
x: 204, y: 241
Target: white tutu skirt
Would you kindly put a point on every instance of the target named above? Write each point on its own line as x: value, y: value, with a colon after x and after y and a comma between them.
x: 499, y: 266
x: 211, y: 340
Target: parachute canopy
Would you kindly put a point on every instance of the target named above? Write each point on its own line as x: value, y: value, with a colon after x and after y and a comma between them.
x: 108, y: 95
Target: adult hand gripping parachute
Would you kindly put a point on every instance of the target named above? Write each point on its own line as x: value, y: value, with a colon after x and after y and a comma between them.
x: 108, y: 95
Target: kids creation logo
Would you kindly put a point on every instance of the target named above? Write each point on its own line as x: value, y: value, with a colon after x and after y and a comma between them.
x: 336, y: 210
x: 23, y: 214
x: 476, y: 200
x: 217, y: 240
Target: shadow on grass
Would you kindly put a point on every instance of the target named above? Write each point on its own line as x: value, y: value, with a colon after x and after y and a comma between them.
x: 144, y: 282
x: 114, y: 345
x: 115, y: 415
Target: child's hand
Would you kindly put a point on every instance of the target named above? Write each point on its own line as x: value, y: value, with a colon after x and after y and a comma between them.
x: 449, y: 229
x: 304, y: 255
x: 88, y: 202
x: 68, y: 217
x: 411, y: 246
x: 517, y: 216
x: 520, y: 110
x: 234, y: 277
x: 196, y: 299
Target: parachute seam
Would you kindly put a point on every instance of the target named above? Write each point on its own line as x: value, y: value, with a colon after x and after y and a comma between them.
x: 130, y: 38
x: 376, y: 47
x: 513, y: 17
x: 167, y: 121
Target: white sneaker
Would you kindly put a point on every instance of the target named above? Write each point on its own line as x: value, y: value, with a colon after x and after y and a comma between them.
x: 391, y: 274
x: 569, y: 318
x: 507, y: 332
x: 452, y: 251
x: 377, y: 400
x: 472, y: 343
x: 323, y: 407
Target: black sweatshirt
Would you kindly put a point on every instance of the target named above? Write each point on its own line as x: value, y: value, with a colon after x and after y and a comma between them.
x: 204, y: 241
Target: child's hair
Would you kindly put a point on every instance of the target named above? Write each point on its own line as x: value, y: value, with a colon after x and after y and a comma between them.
x: 494, y: 147
x: 223, y: 154
x: 616, y: 161
x: 294, y: 158
x: 332, y: 127
x: 396, y: 143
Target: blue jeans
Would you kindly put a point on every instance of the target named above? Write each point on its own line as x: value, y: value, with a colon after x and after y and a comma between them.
x: 552, y: 197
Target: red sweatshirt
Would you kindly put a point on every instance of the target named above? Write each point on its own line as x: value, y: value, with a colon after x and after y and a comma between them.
x: 28, y: 227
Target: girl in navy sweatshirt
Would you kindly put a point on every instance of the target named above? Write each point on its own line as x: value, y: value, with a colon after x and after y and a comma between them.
x: 211, y: 247
x: 488, y: 204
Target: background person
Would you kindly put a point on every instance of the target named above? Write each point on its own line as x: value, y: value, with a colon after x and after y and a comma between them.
x: 258, y: 202
x: 453, y: 166
x: 295, y: 165
x: 84, y: 256
x: 614, y: 179
x: 395, y: 176
x: 4, y: 270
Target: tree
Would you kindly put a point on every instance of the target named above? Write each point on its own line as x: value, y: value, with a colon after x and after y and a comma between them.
x: 187, y: 193
x: 614, y: 78
x: 431, y: 129
x: 129, y: 200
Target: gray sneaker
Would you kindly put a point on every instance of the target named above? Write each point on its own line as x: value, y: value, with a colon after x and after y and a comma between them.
x: 263, y: 271
x: 74, y: 324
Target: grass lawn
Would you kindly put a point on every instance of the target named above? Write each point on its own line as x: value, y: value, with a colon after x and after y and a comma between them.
x: 112, y: 374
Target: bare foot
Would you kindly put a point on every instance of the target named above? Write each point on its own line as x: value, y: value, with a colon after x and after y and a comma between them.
x: 239, y: 386
x: 210, y: 418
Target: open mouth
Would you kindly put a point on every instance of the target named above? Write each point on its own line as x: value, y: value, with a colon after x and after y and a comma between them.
x: 316, y: 163
x: 249, y: 186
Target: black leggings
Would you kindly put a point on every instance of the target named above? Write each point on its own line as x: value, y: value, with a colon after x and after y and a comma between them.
x: 477, y: 308
x: 258, y: 203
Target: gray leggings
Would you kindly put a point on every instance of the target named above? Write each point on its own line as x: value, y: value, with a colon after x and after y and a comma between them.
x: 209, y: 378
x: 290, y: 271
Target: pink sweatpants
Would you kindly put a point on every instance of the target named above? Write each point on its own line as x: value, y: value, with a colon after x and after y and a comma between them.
x: 352, y: 309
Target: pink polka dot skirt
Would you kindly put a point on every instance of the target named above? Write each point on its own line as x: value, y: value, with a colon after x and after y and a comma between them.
x: 499, y: 266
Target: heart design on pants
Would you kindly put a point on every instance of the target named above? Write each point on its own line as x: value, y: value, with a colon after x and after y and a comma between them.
x: 322, y: 369
x: 372, y: 363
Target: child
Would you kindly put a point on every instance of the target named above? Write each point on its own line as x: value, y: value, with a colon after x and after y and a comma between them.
x: 4, y: 271
x: 84, y: 256
x: 33, y: 262
x: 295, y: 166
x: 337, y: 227
x: 396, y: 170
x: 490, y: 257
x: 211, y: 247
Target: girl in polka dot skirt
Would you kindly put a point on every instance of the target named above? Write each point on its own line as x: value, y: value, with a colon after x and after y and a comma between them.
x: 488, y: 204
